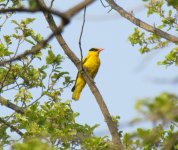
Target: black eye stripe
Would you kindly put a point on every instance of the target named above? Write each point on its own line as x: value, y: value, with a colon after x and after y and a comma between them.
x: 93, y: 49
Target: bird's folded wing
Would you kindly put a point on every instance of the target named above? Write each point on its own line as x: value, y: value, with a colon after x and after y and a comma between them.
x: 83, y: 61
x: 75, y: 83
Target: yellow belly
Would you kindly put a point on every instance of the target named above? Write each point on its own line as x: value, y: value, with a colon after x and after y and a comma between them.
x: 92, y: 66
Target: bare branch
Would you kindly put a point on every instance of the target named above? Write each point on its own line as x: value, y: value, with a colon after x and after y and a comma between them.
x: 111, y: 125
x: 12, y: 127
x: 142, y: 24
x: 80, y: 38
x: 10, y: 105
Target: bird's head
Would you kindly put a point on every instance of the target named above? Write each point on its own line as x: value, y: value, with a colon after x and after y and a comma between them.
x: 95, y: 50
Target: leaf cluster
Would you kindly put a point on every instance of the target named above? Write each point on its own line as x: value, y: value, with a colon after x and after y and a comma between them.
x: 55, y: 123
x: 163, y: 108
x: 152, y: 139
x: 162, y: 112
x: 168, y: 22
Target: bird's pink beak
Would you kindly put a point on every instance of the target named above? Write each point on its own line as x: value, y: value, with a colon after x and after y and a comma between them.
x: 100, y: 49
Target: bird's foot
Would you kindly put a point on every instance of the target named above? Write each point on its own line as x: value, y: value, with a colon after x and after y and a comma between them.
x: 93, y: 81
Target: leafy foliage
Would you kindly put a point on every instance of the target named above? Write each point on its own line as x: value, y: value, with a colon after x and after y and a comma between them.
x: 173, y: 3
x: 163, y: 108
x: 32, y: 143
x: 4, y: 136
x: 146, y: 43
x: 156, y: 138
x: 170, y: 58
x: 55, y: 123
x: 168, y: 22
x: 162, y: 112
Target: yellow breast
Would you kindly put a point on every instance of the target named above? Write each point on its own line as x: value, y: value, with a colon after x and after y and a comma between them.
x: 92, y: 64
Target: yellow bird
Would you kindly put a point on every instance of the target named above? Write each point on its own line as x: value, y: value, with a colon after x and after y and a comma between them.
x: 91, y: 63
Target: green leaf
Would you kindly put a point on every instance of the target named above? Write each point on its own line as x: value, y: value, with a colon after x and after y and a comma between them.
x: 29, y: 41
x: 32, y: 4
x: 53, y: 59
x: 15, y: 22
x: 4, y: 51
x: 27, y: 21
x: 7, y: 39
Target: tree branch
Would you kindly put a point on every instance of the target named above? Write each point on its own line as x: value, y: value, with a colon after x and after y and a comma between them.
x: 111, y: 125
x: 10, y: 105
x: 12, y: 127
x: 27, y: 10
x: 142, y: 24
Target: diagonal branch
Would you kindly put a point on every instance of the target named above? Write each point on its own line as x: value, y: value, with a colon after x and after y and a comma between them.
x: 10, y: 126
x: 142, y: 24
x: 111, y: 125
x: 10, y: 105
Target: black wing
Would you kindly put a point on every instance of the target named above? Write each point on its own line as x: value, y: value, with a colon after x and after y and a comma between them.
x: 74, y: 84
x: 73, y: 88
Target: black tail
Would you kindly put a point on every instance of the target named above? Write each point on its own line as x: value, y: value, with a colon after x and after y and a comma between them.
x: 73, y: 88
x: 74, y: 84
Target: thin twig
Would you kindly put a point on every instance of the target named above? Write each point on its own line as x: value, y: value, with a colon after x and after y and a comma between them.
x: 104, y: 4
x: 3, y: 23
x: 52, y: 1
x: 36, y: 99
x: 80, y: 38
x: 5, y: 4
